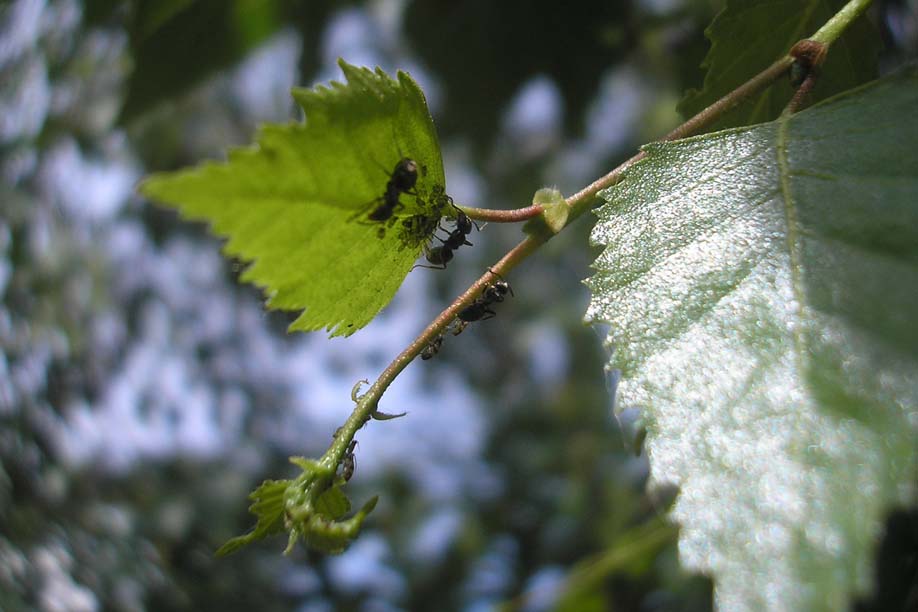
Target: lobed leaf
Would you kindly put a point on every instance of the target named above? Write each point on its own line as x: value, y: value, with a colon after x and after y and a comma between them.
x: 760, y: 285
x: 746, y: 37
x: 295, y: 205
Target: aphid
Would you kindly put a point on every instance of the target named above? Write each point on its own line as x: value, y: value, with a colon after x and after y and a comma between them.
x: 441, y: 255
x: 432, y: 349
x: 349, y: 463
x: 417, y: 229
x: 403, y: 179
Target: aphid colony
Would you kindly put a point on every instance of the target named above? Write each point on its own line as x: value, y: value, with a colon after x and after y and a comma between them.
x: 418, y: 228
x: 441, y: 255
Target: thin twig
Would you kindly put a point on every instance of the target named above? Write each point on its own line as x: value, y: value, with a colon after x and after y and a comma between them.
x: 579, y: 203
x: 800, y: 95
x: 493, y: 215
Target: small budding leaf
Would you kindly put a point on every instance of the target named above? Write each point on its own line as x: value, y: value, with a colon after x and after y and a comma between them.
x: 760, y: 286
x: 746, y: 37
x: 554, y: 213
x: 297, y: 205
x: 333, y: 503
x: 268, y: 506
x: 310, y: 508
x: 333, y: 537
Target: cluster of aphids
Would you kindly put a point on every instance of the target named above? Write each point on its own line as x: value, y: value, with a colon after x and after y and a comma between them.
x: 442, y: 254
x: 479, y: 310
x: 417, y: 229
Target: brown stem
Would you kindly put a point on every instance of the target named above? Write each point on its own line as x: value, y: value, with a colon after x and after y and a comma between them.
x: 367, y: 403
x: 809, y: 55
x: 493, y: 215
x: 801, y: 94
x: 579, y: 203
x: 438, y: 325
x: 732, y: 99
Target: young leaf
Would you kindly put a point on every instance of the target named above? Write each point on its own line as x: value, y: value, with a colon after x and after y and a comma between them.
x: 553, y: 217
x: 268, y: 506
x: 746, y: 37
x: 297, y: 204
x: 310, y: 508
x: 761, y: 286
x: 334, y: 537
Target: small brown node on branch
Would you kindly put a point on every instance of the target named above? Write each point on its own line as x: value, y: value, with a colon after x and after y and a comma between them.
x: 809, y: 56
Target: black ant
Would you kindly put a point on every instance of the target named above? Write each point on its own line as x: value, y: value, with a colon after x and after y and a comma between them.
x: 441, y: 255
x: 480, y: 309
x: 432, y: 349
x: 403, y: 179
x: 349, y: 464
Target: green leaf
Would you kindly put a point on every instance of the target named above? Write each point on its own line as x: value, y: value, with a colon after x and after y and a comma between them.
x: 333, y: 503
x: 335, y: 537
x: 633, y: 549
x: 310, y: 507
x: 296, y: 204
x: 268, y: 506
x: 747, y: 36
x: 761, y: 285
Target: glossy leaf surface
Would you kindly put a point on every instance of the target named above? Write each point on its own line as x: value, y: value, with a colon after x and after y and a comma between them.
x: 760, y: 285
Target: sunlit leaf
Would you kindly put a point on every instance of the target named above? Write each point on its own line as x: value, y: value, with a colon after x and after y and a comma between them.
x: 747, y: 36
x: 297, y: 204
x: 761, y: 286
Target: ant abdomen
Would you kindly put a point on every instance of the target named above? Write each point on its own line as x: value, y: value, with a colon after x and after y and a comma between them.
x: 443, y: 254
x: 402, y: 180
x: 480, y: 309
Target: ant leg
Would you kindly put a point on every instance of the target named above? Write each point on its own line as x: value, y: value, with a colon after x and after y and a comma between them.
x: 488, y: 314
x: 364, y: 208
x: 443, y: 267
